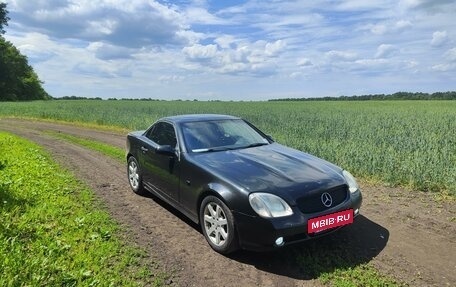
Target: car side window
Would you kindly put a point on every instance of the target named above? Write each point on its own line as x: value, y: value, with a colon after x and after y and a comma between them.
x: 162, y: 133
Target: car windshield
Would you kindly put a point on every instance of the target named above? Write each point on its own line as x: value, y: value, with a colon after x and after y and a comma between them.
x: 218, y: 135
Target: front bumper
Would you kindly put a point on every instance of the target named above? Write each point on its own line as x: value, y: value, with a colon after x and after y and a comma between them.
x: 257, y: 233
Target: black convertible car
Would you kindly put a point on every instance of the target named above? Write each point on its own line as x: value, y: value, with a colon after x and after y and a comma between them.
x: 244, y: 189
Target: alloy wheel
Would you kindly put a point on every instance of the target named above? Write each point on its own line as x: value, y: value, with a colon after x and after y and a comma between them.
x: 133, y: 174
x: 215, y: 224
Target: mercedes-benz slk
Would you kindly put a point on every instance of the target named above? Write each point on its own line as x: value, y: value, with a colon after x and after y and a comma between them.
x: 243, y: 188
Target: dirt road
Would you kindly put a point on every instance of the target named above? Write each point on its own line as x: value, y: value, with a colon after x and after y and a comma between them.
x: 405, y: 235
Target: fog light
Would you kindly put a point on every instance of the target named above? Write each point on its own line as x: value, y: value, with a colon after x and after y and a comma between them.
x: 279, y: 241
x: 356, y: 211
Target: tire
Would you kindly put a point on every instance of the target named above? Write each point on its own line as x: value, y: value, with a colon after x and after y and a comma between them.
x: 217, y: 224
x: 134, y: 176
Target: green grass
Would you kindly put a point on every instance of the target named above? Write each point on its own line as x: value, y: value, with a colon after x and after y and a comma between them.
x: 108, y: 150
x: 53, y: 232
x: 358, y: 276
x: 406, y: 143
x: 336, y: 266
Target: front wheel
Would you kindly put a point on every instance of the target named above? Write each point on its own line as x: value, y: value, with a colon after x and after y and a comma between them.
x: 217, y: 224
x: 134, y: 176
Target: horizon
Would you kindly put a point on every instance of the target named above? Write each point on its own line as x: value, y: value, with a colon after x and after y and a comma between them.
x: 374, y: 97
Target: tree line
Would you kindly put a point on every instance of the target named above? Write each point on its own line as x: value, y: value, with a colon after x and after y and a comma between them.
x: 18, y: 80
x: 450, y: 95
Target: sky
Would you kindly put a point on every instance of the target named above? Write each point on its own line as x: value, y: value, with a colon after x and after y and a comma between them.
x: 236, y: 50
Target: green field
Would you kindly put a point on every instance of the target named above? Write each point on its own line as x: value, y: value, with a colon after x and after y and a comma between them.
x: 406, y: 143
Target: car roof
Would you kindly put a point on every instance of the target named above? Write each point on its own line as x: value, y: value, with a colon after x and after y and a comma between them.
x: 198, y: 118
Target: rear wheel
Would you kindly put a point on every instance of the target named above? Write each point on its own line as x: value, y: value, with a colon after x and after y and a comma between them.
x: 218, y: 225
x: 134, y: 176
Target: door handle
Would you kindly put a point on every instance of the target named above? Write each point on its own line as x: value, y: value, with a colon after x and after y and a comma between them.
x: 144, y: 149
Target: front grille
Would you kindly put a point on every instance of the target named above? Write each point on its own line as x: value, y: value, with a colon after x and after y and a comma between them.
x: 312, y: 203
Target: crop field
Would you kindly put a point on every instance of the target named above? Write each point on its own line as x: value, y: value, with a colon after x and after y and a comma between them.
x: 406, y: 143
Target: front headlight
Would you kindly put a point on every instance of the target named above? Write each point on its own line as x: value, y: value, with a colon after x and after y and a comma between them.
x: 269, y: 205
x: 351, y: 181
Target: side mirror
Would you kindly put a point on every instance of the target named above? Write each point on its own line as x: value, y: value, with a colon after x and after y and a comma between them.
x: 165, y: 150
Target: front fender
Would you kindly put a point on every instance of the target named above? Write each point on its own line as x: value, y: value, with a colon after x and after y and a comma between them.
x: 234, y: 197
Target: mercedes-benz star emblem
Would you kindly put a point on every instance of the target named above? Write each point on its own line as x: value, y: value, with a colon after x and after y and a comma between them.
x: 326, y: 199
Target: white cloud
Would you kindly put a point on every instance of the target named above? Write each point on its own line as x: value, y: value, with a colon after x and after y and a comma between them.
x: 225, y: 41
x: 410, y: 3
x: 427, y: 5
x: 387, y: 27
x: 444, y: 67
x: 198, y: 51
x: 100, y: 28
x: 171, y: 78
x: 236, y: 56
x: 450, y: 64
x: 403, y: 24
x: 304, y: 62
x: 371, y: 62
x: 273, y: 49
x: 197, y: 15
x: 411, y: 64
x: 295, y: 75
x: 439, y: 38
x: 384, y: 50
x: 379, y: 29
x: 129, y: 23
x: 105, y: 51
x: 450, y: 55
x: 341, y: 55
x: 33, y: 45
x: 355, y: 5
x: 308, y: 19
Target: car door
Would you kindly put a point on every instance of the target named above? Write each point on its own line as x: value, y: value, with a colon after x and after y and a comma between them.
x: 161, y: 171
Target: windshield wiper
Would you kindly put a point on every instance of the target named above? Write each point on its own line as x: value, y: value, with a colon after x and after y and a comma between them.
x: 219, y: 148
x: 254, y: 145
x: 222, y: 148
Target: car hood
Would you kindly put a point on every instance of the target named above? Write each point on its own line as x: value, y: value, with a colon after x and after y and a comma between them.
x: 272, y: 168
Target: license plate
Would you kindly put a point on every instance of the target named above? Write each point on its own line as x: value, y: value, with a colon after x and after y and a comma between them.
x: 332, y: 220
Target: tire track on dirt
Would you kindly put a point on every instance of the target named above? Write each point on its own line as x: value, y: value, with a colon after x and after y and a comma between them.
x: 407, y: 235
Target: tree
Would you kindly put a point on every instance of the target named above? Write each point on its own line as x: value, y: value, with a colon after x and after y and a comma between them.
x: 3, y: 17
x: 18, y: 80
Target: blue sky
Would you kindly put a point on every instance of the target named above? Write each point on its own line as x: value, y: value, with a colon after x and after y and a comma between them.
x: 236, y: 50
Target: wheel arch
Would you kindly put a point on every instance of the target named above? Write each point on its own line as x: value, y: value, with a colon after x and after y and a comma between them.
x: 202, y: 196
x: 215, y: 189
x: 128, y: 156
